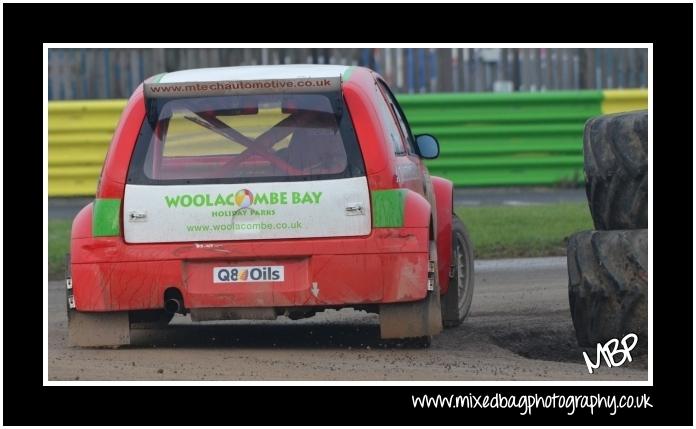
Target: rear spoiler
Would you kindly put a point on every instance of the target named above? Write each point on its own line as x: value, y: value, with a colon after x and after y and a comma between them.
x: 240, y: 87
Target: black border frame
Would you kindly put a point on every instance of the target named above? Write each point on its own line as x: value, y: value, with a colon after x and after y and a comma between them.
x: 668, y: 27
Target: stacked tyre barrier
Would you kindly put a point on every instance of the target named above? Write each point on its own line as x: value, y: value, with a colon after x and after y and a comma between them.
x: 608, y: 267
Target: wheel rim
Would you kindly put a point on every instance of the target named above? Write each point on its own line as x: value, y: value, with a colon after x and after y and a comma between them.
x: 460, y: 257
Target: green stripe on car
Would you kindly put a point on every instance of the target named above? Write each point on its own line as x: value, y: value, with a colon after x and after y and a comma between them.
x: 106, y: 217
x: 388, y: 208
x: 347, y: 73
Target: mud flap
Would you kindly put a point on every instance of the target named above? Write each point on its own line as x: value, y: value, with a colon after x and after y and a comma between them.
x: 414, y: 319
x: 411, y: 319
x: 107, y: 329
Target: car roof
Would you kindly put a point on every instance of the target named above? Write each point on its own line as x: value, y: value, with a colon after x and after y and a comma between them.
x: 289, y: 71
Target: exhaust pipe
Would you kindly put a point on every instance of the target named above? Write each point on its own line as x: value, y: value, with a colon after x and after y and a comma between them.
x: 172, y: 306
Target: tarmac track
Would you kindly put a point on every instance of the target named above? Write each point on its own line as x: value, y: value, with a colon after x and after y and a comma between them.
x: 519, y: 329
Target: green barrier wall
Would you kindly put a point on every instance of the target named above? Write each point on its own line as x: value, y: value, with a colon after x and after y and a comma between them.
x: 512, y: 139
x: 486, y: 139
x: 505, y: 139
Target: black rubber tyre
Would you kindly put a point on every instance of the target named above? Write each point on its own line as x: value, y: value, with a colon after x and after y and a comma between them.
x: 457, y: 301
x: 608, y: 285
x: 616, y: 170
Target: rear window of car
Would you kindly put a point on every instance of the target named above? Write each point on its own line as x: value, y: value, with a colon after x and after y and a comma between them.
x: 246, y: 138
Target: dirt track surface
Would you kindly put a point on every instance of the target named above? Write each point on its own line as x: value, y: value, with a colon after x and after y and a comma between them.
x: 519, y: 329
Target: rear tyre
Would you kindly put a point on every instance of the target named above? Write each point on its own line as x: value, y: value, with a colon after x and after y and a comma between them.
x: 417, y: 321
x: 616, y: 170
x: 608, y: 285
x: 456, y: 303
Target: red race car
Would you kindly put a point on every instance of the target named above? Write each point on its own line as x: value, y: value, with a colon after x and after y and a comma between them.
x: 264, y: 191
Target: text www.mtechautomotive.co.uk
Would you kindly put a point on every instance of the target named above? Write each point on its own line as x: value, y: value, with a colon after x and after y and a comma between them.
x: 244, y: 226
x: 527, y: 402
x: 217, y: 86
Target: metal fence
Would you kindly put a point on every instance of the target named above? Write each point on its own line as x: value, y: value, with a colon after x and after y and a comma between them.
x: 114, y: 73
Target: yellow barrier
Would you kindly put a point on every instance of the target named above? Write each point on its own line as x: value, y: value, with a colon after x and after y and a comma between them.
x: 624, y: 100
x: 79, y: 133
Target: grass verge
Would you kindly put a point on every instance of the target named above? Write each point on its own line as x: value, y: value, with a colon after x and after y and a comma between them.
x: 58, y: 246
x: 524, y: 231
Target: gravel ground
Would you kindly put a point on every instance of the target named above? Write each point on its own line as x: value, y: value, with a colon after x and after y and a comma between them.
x: 519, y: 329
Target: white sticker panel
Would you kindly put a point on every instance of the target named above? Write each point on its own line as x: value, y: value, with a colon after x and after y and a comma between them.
x: 252, y: 211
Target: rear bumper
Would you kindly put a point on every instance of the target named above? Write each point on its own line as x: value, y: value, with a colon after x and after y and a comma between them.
x: 389, y: 265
